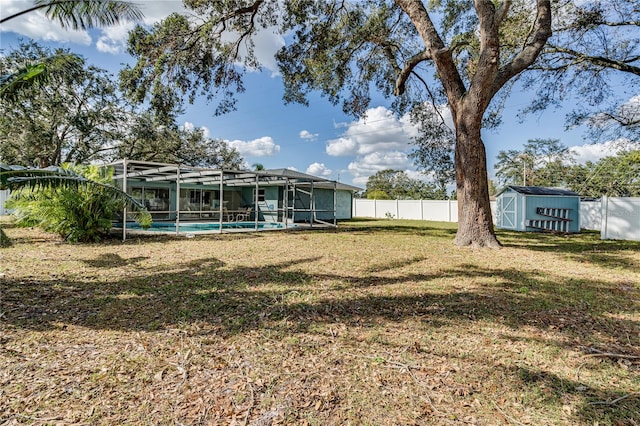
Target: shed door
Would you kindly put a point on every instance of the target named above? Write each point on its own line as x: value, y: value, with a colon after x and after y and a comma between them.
x: 507, y: 212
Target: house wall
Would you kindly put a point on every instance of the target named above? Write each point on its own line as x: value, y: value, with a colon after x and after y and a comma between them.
x: 269, y: 210
x: 302, y: 201
x: 269, y: 207
x: 344, y: 209
x: 324, y: 204
x: 233, y: 197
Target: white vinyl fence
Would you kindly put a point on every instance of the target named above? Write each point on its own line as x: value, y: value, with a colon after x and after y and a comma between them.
x: 4, y: 195
x: 620, y: 218
x: 436, y: 210
x: 616, y: 218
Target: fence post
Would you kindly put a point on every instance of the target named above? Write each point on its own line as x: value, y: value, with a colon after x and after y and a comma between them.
x: 449, y: 205
x: 604, y: 214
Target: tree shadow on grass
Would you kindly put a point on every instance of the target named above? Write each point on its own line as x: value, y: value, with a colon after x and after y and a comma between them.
x: 399, y: 227
x: 209, y: 291
x: 5, y: 241
x: 598, y: 405
x: 112, y: 260
x: 584, y: 247
x: 283, y: 299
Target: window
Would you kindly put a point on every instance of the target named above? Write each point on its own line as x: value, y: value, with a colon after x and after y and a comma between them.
x: 260, y: 195
x: 154, y: 199
x: 190, y: 199
x: 210, y: 200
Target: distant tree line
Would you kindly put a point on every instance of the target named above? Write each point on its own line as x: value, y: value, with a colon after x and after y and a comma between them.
x: 547, y: 162
x: 398, y: 185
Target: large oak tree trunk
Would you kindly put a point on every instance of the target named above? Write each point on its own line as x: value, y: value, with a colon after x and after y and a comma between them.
x: 475, y: 223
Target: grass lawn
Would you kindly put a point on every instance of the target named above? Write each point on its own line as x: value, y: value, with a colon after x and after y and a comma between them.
x: 376, y: 323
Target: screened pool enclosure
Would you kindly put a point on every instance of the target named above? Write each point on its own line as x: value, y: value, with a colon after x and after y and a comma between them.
x: 183, y: 199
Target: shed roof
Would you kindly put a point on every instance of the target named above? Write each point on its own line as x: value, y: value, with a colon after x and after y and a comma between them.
x: 539, y: 190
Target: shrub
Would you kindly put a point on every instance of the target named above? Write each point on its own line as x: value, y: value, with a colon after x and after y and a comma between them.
x: 80, y: 212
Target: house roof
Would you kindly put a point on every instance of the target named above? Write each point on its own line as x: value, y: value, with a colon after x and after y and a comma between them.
x: 294, y: 174
x: 539, y: 190
x: 158, y: 172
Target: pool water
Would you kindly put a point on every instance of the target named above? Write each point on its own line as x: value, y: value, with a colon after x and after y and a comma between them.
x: 199, y: 227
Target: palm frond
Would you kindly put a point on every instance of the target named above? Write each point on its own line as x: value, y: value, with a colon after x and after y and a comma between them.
x: 12, y: 84
x: 14, y: 177
x: 84, y: 14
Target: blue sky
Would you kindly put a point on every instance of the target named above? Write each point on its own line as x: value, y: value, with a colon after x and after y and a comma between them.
x: 318, y: 139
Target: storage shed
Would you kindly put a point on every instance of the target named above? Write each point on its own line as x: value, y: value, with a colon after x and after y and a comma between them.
x: 533, y: 208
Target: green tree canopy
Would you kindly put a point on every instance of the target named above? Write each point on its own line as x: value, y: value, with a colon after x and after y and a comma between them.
x: 542, y: 162
x: 77, y: 115
x: 74, y: 117
x: 614, y: 176
x: 397, y: 185
x: 149, y: 139
x: 74, y: 14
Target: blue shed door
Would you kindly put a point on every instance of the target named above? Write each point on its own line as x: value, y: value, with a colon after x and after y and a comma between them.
x: 507, y: 211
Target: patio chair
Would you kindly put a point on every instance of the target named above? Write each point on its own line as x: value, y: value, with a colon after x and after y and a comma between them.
x: 244, y: 216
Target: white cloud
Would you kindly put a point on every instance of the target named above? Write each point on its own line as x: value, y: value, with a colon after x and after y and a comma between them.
x: 189, y: 126
x: 370, y: 164
x: 305, y: 134
x: 596, y: 151
x: 267, y: 43
x: 380, y: 131
x: 380, y: 141
x: 114, y: 39
x: 261, y: 147
x: 319, y: 169
x: 342, y: 147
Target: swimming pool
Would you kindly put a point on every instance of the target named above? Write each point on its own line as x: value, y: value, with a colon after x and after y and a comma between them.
x: 203, y: 226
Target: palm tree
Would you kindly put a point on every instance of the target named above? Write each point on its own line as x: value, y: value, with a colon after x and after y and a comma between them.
x: 79, y: 208
x: 75, y: 14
